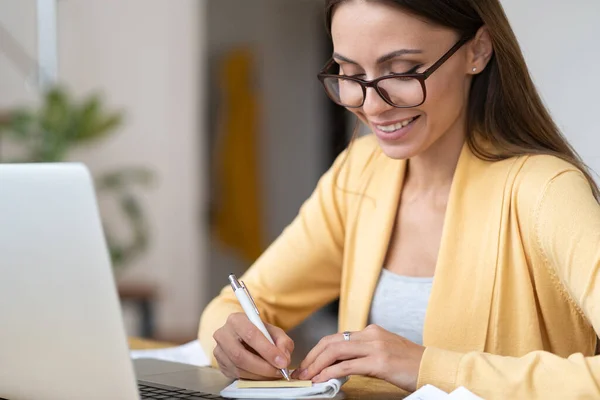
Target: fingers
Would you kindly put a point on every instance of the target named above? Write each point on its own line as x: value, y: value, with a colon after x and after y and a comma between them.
x: 323, y: 343
x: 315, y: 351
x: 252, y: 336
x: 244, y: 359
x: 282, y: 340
x: 253, y: 377
x: 237, y: 359
x: 225, y: 365
x: 333, y: 353
x: 345, y: 368
x: 231, y: 371
x: 245, y: 365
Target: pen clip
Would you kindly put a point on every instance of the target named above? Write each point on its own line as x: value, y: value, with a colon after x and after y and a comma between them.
x: 249, y: 296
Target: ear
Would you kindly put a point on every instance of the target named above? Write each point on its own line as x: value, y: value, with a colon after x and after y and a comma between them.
x: 480, y: 50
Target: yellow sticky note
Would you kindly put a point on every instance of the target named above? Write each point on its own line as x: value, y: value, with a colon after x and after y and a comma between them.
x: 243, y: 384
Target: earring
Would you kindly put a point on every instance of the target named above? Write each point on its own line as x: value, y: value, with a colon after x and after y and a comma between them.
x: 474, y: 69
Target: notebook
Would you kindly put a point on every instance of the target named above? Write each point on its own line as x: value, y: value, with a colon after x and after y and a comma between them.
x: 324, y: 390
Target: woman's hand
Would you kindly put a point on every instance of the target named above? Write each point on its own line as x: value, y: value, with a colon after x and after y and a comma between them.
x: 243, y: 351
x: 371, y: 352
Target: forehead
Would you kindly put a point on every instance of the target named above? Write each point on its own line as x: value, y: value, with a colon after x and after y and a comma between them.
x: 377, y: 27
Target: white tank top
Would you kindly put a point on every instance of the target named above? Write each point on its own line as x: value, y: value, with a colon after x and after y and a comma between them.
x: 399, y: 304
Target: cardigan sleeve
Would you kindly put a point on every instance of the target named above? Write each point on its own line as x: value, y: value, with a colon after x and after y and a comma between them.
x: 564, y: 228
x: 301, y: 270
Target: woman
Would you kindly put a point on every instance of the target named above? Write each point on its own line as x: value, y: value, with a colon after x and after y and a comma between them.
x: 465, y: 179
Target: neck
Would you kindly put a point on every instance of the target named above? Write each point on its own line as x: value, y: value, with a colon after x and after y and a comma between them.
x: 434, y: 169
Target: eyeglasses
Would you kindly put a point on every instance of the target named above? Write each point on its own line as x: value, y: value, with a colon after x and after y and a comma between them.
x: 398, y: 90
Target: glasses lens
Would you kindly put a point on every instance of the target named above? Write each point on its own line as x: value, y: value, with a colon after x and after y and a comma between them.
x: 402, y: 91
x: 344, y: 91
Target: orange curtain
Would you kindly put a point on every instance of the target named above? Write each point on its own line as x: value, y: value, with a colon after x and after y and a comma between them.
x: 238, y: 215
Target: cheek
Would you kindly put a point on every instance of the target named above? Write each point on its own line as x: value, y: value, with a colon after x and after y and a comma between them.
x: 445, y: 102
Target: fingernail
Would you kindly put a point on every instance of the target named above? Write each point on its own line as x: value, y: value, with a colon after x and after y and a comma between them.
x: 316, y: 378
x: 280, y: 362
x: 303, y: 374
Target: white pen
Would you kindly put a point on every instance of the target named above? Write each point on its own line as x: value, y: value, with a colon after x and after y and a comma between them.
x: 245, y: 298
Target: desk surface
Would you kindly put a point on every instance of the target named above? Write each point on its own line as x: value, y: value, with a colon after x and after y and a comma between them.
x: 356, y: 388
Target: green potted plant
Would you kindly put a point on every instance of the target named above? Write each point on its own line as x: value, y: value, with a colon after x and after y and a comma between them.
x: 47, y: 134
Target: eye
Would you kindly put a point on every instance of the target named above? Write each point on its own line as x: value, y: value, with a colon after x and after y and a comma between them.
x: 413, y: 70
x: 352, y: 74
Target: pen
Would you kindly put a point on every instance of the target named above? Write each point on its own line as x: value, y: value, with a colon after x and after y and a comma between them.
x: 245, y: 298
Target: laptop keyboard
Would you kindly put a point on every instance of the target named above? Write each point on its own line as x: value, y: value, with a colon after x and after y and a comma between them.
x: 149, y: 390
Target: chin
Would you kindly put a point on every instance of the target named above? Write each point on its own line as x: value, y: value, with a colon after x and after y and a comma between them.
x: 399, y: 151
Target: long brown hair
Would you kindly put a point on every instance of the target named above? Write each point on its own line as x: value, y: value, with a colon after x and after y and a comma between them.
x: 505, y: 109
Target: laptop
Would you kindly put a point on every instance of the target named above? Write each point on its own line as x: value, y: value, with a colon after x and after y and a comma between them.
x: 61, y: 330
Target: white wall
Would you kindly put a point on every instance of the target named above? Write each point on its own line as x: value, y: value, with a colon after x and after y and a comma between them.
x: 560, y: 40
x: 146, y: 56
x: 19, y: 19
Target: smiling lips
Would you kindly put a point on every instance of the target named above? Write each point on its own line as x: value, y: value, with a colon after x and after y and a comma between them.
x: 391, y: 128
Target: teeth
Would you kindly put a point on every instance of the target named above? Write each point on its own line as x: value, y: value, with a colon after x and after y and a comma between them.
x: 395, y: 127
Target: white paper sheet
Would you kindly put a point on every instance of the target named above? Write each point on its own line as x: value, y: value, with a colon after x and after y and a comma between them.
x: 428, y: 392
x: 189, y: 353
x: 462, y: 393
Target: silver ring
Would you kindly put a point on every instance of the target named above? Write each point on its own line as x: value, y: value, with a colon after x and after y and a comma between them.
x: 346, y: 335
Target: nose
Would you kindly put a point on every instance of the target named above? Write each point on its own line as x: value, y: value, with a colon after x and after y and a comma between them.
x: 374, y: 105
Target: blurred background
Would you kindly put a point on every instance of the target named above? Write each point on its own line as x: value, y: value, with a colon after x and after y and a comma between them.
x: 205, y: 127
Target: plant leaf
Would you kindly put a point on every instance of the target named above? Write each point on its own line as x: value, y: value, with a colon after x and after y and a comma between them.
x: 20, y: 124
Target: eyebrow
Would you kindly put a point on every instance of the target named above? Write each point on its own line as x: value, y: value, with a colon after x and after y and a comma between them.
x: 382, y: 59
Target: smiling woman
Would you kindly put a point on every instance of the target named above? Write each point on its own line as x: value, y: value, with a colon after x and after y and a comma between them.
x: 461, y: 236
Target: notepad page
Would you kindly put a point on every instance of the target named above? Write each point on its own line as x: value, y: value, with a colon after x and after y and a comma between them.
x: 327, y: 389
x: 244, y: 384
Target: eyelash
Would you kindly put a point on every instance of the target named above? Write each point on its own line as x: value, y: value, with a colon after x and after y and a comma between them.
x: 410, y: 71
x: 414, y: 69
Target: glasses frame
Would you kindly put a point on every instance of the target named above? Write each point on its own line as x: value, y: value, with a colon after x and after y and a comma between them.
x: 364, y: 84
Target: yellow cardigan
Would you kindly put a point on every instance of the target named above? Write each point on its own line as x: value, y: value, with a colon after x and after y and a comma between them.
x: 515, y: 303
